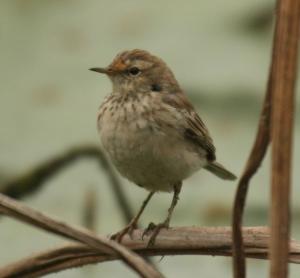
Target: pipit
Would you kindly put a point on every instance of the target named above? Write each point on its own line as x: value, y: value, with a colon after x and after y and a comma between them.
x: 151, y: 131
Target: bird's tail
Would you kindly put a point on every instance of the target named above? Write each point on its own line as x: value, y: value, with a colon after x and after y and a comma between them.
x: 218, y: 169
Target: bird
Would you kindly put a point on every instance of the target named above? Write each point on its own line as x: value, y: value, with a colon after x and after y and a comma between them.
x: 151, y: 132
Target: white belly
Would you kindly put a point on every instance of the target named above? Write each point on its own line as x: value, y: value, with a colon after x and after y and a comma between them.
x: 146, y: 155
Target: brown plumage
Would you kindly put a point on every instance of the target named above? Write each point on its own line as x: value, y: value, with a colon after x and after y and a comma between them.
x: 151, y: 131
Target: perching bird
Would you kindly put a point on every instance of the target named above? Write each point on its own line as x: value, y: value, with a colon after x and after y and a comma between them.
x: 150, y: 130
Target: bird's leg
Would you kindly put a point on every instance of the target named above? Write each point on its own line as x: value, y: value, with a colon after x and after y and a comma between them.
x: 156, y: 228
x: 133, y: 223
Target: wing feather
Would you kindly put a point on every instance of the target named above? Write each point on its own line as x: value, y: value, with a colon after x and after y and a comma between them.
x: 194, y: 128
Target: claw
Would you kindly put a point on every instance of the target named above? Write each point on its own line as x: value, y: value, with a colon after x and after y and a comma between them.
x: 155, y: 229
x: 127, y: 230
x: 150, y: 228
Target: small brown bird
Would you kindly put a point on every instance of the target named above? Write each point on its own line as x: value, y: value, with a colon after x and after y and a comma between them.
x: 151, y: 132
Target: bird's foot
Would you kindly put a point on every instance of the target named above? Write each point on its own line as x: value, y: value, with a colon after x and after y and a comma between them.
x: 154, y: 229
x: 126, y: 230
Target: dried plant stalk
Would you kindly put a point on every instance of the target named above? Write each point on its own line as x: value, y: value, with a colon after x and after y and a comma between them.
x: 23, y: 213
x: 175, y: 241
x: 285, y: 74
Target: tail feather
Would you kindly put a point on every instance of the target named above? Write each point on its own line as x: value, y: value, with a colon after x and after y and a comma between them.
x: 217, y: 169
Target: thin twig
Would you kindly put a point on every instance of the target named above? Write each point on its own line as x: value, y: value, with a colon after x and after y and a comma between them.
x: 89, y: 211
x: 256, y: 156
x: 121, y: 199
x: 284, y: 81
x: 23, y: 213
x: 33, y: 181
x: 175, y: 241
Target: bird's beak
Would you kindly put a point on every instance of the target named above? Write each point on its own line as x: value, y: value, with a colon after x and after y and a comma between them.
x: 112, y: 69
x: 102, y: 70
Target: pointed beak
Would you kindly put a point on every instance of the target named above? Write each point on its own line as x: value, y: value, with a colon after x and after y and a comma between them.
x: 102, y: 70
x: 112, y: 69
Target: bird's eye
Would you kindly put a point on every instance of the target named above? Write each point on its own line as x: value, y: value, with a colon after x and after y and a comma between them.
x: 134, y: 71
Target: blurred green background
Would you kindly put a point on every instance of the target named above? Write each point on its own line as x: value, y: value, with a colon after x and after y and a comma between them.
x: 220, y: 53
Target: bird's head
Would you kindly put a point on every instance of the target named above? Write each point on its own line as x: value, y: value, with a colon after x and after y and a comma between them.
x: 138, y: 71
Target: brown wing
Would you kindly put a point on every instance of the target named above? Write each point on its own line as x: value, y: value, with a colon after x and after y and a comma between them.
x: 194, y: 129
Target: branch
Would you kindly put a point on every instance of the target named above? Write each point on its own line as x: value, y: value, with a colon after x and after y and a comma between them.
x: 33, y: 181
x: 23, y: 213
x: 89, y: 216
x: 284, y: 81
x: 175, y: 241
x: 255, y: 159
